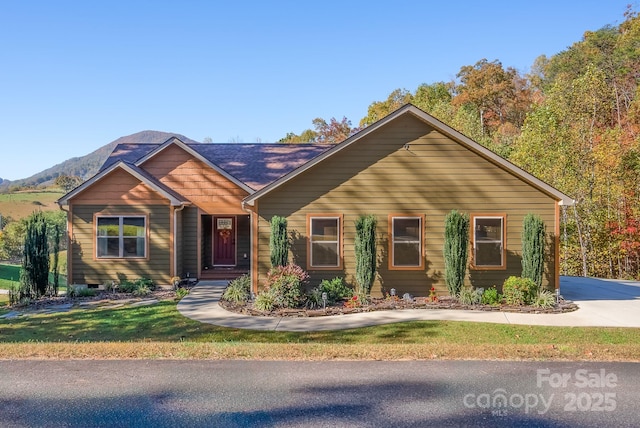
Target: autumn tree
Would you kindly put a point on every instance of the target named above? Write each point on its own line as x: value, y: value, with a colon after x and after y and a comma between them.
x: 67, y: 183
x: 332, y: 132
x: 486, y: 86
x: 430, y: 97
x: 379, y: 109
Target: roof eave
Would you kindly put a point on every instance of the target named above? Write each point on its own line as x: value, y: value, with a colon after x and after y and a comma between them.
x: 436, y: 124
x: 173, y: 199
x: 194, y: 153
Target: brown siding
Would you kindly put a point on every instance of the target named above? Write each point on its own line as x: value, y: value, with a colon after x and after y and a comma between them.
x: 89, y: 270
x: 119, y: 187
x: 206, y: 188
x: 378, y: 175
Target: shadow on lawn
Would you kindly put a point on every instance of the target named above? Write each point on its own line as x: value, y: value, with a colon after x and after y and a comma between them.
x: 163, y: 323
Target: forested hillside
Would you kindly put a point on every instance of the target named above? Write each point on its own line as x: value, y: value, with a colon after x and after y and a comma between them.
x: 572, y: 121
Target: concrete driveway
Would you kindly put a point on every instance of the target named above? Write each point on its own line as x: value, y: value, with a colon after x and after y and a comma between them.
x: 603, y: 302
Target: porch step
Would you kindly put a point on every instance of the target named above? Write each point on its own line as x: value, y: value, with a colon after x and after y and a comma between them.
x: 221, y: 273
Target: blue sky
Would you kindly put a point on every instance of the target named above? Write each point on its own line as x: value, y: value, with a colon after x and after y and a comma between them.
x: 76, y: 75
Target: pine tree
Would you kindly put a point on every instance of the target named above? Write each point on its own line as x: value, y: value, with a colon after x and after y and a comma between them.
x: 35, y: 261
x: 365, y: 249
x: 279, y: 242
x: 533, y: 240
x: 456, y: 244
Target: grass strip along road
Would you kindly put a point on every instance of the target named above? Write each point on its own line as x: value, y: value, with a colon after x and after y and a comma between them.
x: 161, y: 332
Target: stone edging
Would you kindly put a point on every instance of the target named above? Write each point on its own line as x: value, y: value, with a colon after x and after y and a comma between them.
x: 563, y: 307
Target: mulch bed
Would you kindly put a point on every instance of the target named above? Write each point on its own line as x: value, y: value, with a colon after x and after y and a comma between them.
x: 101, y: 296
x: 379, y: 304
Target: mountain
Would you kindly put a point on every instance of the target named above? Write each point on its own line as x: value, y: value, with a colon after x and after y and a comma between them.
x: 88, y: 165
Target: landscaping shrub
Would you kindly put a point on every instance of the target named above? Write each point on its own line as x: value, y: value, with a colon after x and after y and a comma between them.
x: 238, y: 290
x: 365, y: 249
x: 336, y: 290
x: 265, y: 301
x: 470, y: 296
x: 145, y: 282
x: 279, y: 242
x: 357, y: 300
x: 126, y: 286
x: 519, y: 291
x: 544, y: 299
x: 19, y: 294
x: 286, y: 284
x: 85, y: 292
x: 314, y: 298
x: 140, y: 286
x: 141, y: 291
x: 491, y: 296
x: 76, y: 291
x: 456, y: 254
x: 181, y: 292
x: 533, y: 239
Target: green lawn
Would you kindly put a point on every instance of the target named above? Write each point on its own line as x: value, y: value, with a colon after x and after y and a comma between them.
x: 160, y: 331
x: 10, y: 274
x: 21, y: 204
x: 162, y: 322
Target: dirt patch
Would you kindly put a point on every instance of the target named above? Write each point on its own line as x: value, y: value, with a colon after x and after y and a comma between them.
x: 380, y: 304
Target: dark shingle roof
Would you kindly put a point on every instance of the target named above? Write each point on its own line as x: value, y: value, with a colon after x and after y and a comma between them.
x: 256, y: 165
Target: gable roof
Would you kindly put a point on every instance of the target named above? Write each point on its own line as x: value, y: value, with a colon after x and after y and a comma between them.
x: 174, y: 198
x: 410, y: 109
x: 250, y: 166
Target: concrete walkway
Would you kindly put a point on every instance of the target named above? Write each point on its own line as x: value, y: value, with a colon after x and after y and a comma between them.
x: 602, y: 303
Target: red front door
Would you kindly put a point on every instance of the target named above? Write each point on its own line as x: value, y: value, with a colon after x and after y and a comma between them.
x: 224, y: 241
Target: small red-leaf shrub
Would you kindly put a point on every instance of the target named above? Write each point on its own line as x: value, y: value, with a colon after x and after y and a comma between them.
x: 286, y: 285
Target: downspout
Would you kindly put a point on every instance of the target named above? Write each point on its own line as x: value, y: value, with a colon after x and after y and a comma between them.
x: 69, y: 255
x: 175, y: 238
x: 243, y: 205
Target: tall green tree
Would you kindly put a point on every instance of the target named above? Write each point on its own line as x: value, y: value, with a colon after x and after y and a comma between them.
x: 34, y: 275
x: 379, y: 109
x: 489, y: 87
x: 279, y: 242
x: 365, y: 252
x: 456, y: 250
x: 533, y: 243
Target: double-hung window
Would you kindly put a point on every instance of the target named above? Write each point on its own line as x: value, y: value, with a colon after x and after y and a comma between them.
x: 405, y: 241
x: 324, y: 233
x: 488, y: 236
x: 121, y: 237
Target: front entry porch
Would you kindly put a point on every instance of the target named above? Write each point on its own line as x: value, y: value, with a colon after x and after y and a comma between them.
x: 226, y: 246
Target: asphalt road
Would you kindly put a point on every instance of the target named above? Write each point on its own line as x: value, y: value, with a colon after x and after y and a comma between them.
x: 318, y: 394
